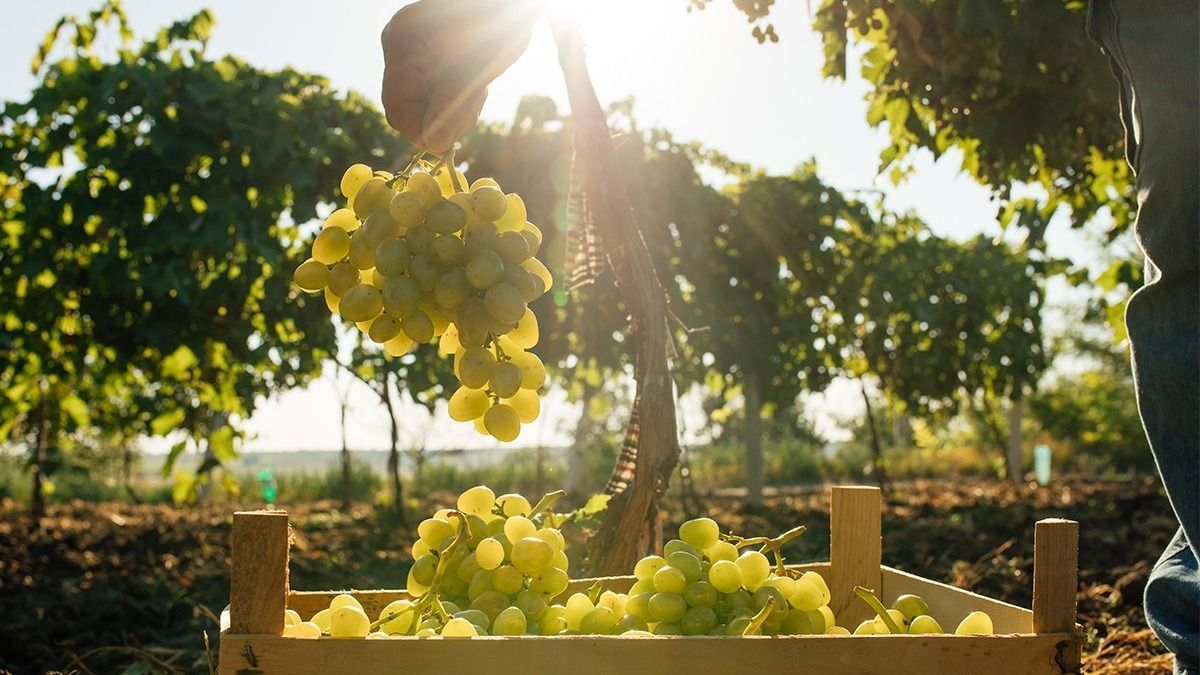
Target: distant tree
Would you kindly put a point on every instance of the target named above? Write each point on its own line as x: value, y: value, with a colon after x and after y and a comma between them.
x: 151, y: 197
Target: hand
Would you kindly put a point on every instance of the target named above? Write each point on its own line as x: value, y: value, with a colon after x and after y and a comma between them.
x: 439, y: 57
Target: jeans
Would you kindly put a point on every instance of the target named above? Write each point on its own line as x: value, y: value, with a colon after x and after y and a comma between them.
x: 1154, y: 46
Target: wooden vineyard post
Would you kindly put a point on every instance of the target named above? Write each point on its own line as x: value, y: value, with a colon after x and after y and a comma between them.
x: 258, y: 584
x: 855, y: 550
x: 1056, y: 582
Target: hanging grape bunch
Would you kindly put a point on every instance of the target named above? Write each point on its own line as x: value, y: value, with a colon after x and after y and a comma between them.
x: 419, y: 256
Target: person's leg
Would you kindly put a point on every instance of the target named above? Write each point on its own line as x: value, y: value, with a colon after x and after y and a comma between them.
x: 1155, y: 47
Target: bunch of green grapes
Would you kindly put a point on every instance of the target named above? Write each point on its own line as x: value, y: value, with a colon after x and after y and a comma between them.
x: 911, y: 614
x: 500, y: 578
x: 418, y: 257
x: 704, y: 584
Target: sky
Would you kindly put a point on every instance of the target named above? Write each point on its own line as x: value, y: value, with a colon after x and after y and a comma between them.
x: 699, y: 74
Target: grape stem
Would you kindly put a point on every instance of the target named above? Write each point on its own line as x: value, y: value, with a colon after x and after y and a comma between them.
x: 756, y: 624
x: 546, y: 502
x: 868, y: 596
x: 451, y: 167
x: 774, y: 544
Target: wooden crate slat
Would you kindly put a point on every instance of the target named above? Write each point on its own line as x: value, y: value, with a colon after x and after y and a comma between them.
x: 591, y: 655
x: 950, y: 604
x: 855, y: 550
x: 258, y: 582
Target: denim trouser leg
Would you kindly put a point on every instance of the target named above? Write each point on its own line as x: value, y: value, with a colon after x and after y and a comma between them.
x: 1155, y: 49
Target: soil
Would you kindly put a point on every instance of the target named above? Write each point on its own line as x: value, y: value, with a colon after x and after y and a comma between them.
x: 121, y: 588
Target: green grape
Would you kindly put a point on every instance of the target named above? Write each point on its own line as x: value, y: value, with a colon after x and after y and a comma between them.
x: 474, y: 324
x: 401, y: 622
x: 538, y: 270
x: 766, y: 593
x: 526, y: 403
x: 525, y: 334
x: 374, y: 196
x: 911, y: 606
x: 477, y: 618
x: 502, y: 422
x: 344, y: 600
x: 477, y: 500
x: 632, y: 626
x: 418, y: 327
x: 560, y: 557
x: 550, y: 582
x: 725, y: 576
x: 924, y: 624
x: 553, y: 620
x: 425, y: 271
x: 420, y: 239
x: 700, y: 594
x: 642, y: 586
x: 646, y: 567
x: 507, y: 579
x: 384, y: 328
x: 448, y: 343
x: 701, y: 533
x: 332, y: 300
x: 687, y: 563
x: 349, y: 622
x: 513, y: 504
x: 827, y: 614
x: 512, y: 248
x: 818, y: 581
x: 467, y: 404
x: 475, y: 367
x: 399, y: 345
x: 722, y: 550
x: 361, y: 303
x: 533, y: 373
x: 531, y: 555
x: 480, y: 583
x: 480, y: 182
x: 480, y: 236
x: 459, y: 628
x: 553, y: 537
x: 533, y: 236
x: 514, y: 216
x: 392, y: 257
x: 503, y: 302
x: 670, y: 580
x: 407, y: 209
x: 975, y: 623
x: 401, y: 296
x: 679, y: 545
x: 806, y: 596
x: 445, y: 183
x: 331, y: 245
x: 433, y: 531
x: 505, y: 380
x: 785, y: 585
x: 490, y: 602
x: 800, y: 622
x: 423, y: 569
x: 599, y: 621
x: 447, y: 250
x: 291, y: 617
x: 343, y: 219
x: 354, y: 178
x: 484, y: 269
x: 378, y: 228
x: 362, y: 254
x: 488, y: 202
x: 510, y: 621
x: 452, y: 289
x: 526, y: 284
x: 424, y: 186
x: 467, y: 568
x: 666, y: 607
x: 867, y: 627
x: 698, y: 621
x: 837, y: 630
x: 377, y: 280
x: 755, y: 569
x: 531, y: 603
x: 578, y: 606
x: 304, y: 629
x: 639, y: 605
x: 311, y: 275
x: 446, y: 218
x: 881, y: 626
x: 519, y: 527
x: 489, y: 553
x: 321, y: 619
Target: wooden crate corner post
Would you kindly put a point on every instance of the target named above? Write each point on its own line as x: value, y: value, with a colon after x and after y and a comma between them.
x: 855, y: 550
x: 1056, y: 584
x: 258, y: 582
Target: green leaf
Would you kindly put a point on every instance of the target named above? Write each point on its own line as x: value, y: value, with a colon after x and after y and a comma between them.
x: 221, y: 444
x: 167, y: 422
x: 172, y: 456
x: 76, y: 409
x: 179, y: 364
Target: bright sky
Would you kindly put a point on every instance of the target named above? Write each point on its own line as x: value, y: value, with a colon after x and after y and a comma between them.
x: 700, y: 75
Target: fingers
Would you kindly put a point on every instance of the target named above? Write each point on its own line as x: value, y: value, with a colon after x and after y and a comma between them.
x: 450, y: 114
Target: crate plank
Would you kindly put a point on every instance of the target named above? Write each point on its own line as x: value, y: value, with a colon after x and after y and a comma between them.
x: 855, y: 543
x: 1056, y: 578
x: 592, y: 655
x: 258, y: 582
x: 950, y: 604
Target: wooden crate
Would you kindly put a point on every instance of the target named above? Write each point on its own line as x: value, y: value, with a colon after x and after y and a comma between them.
x: 1041, y: 641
